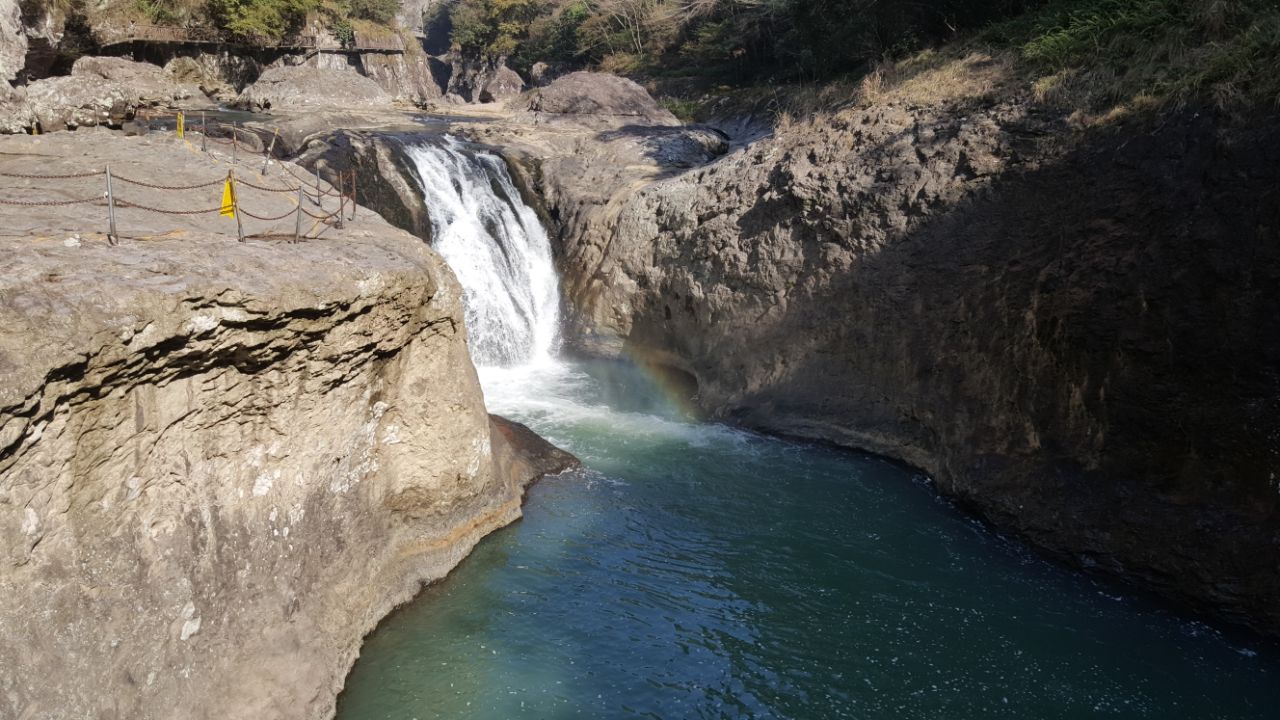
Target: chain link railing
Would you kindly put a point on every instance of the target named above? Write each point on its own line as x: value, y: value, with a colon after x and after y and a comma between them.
x: 306, y: 189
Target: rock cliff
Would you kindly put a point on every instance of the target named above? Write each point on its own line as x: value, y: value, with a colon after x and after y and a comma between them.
x: 1072, y: 331
x: 222, y: 463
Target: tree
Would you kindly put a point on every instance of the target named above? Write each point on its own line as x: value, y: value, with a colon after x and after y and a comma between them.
x: 492, y: 29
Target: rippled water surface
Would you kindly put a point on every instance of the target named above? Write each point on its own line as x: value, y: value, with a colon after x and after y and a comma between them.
x: 694, y: 571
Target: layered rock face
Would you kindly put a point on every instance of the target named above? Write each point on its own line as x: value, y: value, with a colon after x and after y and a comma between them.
x: 221, y: 463
x: 1073, y: 333
x: 13, y: 40
x: 303, y: 87
x: 99, y: 91
x: 407, y: 77
x: 481, y: 81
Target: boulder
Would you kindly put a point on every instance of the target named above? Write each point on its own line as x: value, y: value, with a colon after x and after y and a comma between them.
x: 541, y: 74
x: 584, y: 96
x: 218, y: 74
x: 474, y: 80
x: 87, y: 97
x: 501, y: 84
x: 523, y: 454
x: 119, y: 70
x: 309, y: 87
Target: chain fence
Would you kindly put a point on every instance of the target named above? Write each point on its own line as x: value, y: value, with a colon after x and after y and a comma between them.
x: 306, y: 190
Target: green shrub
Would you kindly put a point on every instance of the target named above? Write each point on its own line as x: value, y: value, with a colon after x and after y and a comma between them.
x: 492, y: 29
x: 158, y: 12
x: 379, y: 11
x: 264, y: 19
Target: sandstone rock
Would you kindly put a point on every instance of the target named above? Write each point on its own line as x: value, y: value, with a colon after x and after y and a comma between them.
x: 389, y: 184
x: 476, y: 80
x: 99, y: 91
x: 1037, y: 324
x: 541, y: 74
x: 119, y: 70
x: 587, y: 96
x: 221, y: 463
x: 218, y: 74
x: 503, y: 83
x: 13, y: 40
x: 519, y: 452
x: 310, y: 87
x: 407, y: 77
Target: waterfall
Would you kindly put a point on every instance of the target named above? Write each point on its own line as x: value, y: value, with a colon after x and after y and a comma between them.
x: 498, y: 249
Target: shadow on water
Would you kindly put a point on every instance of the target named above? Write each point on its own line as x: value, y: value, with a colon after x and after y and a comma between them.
x: 694, y: 570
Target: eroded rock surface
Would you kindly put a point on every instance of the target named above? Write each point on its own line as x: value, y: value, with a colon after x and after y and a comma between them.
x: 221, y: 463
x: 304, y: 87
x: 99, y: 91
x: 1072, y: 332
x: 13, y: 40
x: 588, y: 97
x: 407, y: 77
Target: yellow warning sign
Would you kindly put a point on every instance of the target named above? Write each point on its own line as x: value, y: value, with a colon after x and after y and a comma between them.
x: 228, y: 200
x: 182, y: 122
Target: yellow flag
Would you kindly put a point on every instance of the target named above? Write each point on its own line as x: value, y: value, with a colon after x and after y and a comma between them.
x: 228, y: 200
x: 182, y: 121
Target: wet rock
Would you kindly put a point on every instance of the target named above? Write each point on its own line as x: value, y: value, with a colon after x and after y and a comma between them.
x: 520, y: 453
x: 389, y: 182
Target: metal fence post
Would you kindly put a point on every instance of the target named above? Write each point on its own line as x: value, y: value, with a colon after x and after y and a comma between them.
x: 235, y: 141
x: 266, y: 157
x: 297, y: 217
x: 204, y: 133
x: 235, y: 204
x: 342, y: 199
x: 353, y: 194
x: 112, y: 237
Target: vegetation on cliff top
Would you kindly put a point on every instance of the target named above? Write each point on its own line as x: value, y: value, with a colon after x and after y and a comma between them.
x: 249, y: 20
x: 1088, y: 55
x: 731, y: 39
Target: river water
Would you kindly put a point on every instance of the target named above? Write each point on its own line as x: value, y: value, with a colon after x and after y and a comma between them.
x: 698, y: 571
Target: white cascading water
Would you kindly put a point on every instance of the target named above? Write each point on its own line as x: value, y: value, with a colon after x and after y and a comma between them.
x: 498, y: 249
x: 501, y: 254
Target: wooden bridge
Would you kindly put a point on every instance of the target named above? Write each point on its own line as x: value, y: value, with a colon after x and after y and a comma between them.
x: 170, y: 34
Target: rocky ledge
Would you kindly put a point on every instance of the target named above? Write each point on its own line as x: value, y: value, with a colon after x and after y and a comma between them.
x: 222, y: 462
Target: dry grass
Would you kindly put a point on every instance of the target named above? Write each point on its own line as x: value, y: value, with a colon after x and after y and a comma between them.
x: 935, y: 77
x: 1094, y: 61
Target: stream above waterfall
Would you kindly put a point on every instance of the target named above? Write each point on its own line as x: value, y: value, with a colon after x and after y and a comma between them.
x: 697, y: 570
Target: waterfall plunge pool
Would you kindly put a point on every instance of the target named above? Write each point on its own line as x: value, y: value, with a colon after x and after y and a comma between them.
x: 697, y: 571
